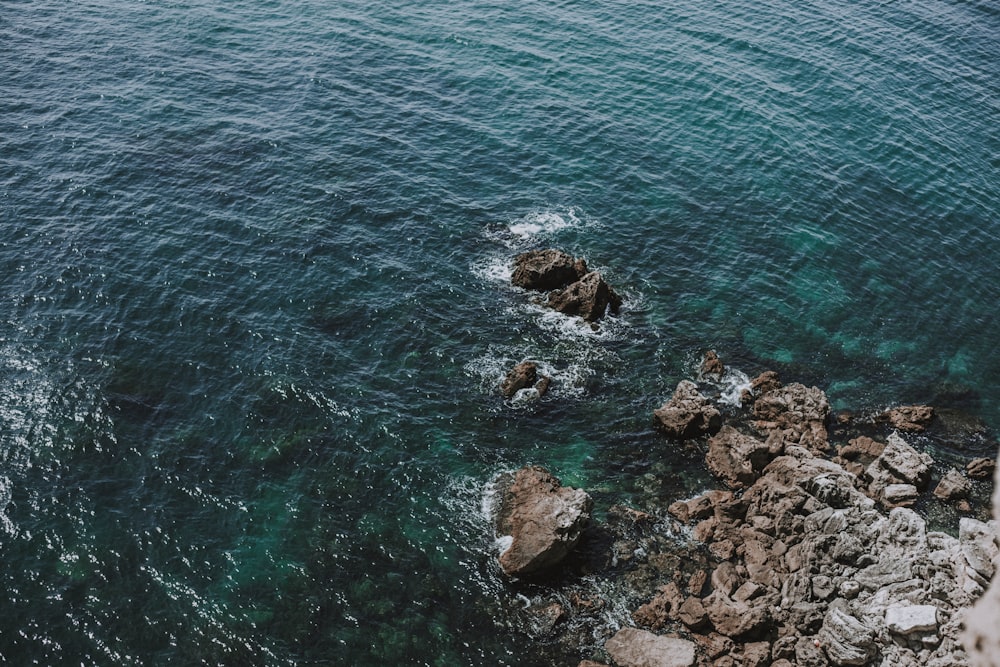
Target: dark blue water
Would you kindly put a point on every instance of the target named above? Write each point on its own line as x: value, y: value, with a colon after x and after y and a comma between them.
x: 253, y: 275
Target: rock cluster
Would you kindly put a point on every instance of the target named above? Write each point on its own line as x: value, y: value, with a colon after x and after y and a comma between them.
x: 687, y: 414
x: 810, y: 556
x: 573, y: 290
x: 523, y: 376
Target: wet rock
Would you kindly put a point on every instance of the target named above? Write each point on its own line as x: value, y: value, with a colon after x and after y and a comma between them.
x: 522, y: 376
x: 546, y: 269
x: 952, y: 486
x: 711, y: 365
x: 909, y: 418
x: 687, y: 414
x: 631, y: 647
x: 764, y: 383
x: 590, y: 297
x: 542, y: 519
x: 980, y: 468
x: 737, y: 458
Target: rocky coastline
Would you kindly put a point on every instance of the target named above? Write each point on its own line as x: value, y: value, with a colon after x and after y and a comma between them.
x: 814, y: 548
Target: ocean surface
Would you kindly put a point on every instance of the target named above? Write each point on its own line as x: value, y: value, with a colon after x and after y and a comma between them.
x: 255, y: 299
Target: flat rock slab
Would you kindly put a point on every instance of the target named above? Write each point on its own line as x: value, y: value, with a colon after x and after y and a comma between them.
x: 908, y: 619
x: 632, y: 647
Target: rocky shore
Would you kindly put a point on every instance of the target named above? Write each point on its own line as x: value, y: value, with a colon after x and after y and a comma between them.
x: 813, y: 550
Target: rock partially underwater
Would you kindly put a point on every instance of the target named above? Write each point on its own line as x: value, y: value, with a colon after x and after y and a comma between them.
x: 540, y: 519
x: 573, y: 290
x: 807, y: 558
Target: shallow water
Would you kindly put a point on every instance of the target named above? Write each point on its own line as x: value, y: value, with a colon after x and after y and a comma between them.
x: 254, y: 261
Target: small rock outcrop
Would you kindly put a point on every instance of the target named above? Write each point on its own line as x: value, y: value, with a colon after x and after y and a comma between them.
x: 541, y: 519
x: 687, y: 414
x: 546, y: 269
x: 794, y: 413
x: 909, y: 418
x: 737, y: 458
x: 632, y: 647
x: 711, y: 365
x: 522, y: 376
x: 590, y: 297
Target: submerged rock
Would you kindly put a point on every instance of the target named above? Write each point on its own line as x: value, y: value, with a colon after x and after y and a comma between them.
x: 590, y: 298
x: 542, y: 519
x: 909, y: 418
x: 546, y: 269
x: 687, y: 414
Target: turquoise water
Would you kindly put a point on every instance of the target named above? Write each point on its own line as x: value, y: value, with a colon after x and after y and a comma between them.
x: 253, y: 263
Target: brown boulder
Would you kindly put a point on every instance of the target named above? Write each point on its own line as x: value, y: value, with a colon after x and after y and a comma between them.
x: 542, y: 519
x: 953, y: 486
x: 736, y: 458
x: 736, y: 619
x: 632, y: 647
x: 589, y: 297
x: 795, y: 413
x: 980, y: 468
x: 546, y: 269
x: 687, y: 414
x: 523, y: 375
x: 712, y: 365
x: 909, y: 418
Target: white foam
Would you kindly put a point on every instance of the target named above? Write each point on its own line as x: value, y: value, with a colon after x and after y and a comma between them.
x: 503, y: 543
x: 494, y: 269
x: 543, y: 223
x: 734, y: 382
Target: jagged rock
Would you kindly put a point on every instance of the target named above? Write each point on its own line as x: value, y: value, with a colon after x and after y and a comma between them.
x: 847, y: 640
x: 737, y: 458
x: 909, y: 418
x: 982, y: 635
x: 692, y: 613
x: 523, y: 375
x: 979, y: 546
x: 908, y: 619
x: 899, y: 463
x: 899, y: 495
x: 795, y: 413
x: 659, y: 611
x: 591, y: 663
x: 589, y: 297
x: 980, y: 468
x: 862, y: 446
x: 735, y: 619
x: 712, y: 365
x: 687, y: 414
x: 952, y: 486
x: 546, y: 269
x: 764, y: 383
x: 542, y: 518
x: 631, y: 647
